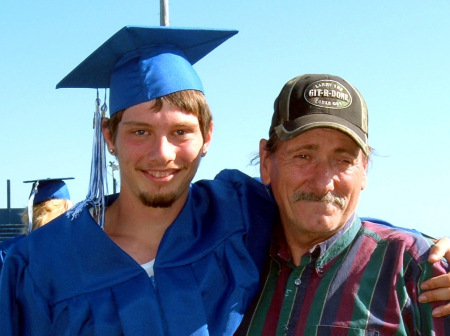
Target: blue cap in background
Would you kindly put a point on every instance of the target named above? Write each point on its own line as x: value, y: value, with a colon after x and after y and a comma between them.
x: 50, y: 188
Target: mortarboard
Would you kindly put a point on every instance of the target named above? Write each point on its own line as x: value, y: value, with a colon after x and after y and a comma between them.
x: 45, y: 190
x: 138, y: 64
x: 50, y: 188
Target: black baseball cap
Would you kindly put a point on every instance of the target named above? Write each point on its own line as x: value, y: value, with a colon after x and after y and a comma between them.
x: 319, y: 100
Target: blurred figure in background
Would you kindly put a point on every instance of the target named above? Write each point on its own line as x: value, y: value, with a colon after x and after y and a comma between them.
x: 49, y: 198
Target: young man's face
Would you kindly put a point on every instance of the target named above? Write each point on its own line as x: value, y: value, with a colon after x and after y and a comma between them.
x: 304, y: 169
x: 158, y: 153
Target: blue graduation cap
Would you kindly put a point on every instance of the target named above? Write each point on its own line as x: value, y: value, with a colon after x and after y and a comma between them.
x: 138, y: 64
x: 47, y: 189
x: 44, y: 190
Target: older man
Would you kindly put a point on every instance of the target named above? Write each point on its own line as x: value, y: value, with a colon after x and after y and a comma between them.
x: 329, y: 273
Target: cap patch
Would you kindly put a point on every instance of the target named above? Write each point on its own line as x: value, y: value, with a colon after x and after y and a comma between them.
x: 328, y: 94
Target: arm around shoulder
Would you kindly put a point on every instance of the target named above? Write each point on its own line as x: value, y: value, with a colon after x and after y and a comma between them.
x: 435, y: 312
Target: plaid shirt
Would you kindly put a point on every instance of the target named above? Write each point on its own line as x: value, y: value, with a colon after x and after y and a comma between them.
x: 363, y: 281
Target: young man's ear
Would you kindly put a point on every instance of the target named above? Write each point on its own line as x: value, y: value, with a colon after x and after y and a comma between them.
x: 207, y: 139
x: 107, y: 134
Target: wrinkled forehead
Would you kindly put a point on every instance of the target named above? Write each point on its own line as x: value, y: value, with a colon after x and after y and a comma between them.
x: 327, y: 139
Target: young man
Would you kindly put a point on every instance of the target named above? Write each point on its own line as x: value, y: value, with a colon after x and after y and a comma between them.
x: 173, y: 259
x: 328, y: 272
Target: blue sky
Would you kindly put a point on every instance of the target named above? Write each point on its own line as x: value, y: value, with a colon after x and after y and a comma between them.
x: 395, y: 52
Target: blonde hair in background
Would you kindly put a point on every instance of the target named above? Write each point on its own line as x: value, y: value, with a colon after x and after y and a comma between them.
x: 46, y: 211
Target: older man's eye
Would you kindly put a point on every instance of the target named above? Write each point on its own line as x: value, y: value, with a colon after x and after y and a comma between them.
x: 346, y: 162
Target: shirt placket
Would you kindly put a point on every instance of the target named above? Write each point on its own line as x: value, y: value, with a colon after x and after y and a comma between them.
x: 294, y: 296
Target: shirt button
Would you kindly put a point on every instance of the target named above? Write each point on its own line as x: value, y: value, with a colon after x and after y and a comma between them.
x: 321, y: 271
x: 297, y: 282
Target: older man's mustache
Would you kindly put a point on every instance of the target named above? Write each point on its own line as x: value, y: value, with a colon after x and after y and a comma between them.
x: 311, y: 197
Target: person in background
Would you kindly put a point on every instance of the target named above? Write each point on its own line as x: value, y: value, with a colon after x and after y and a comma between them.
x: 328, y: 271
x: 49, y: 198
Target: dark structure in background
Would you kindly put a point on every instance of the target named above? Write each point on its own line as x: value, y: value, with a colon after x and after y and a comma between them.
x: 10, y: 221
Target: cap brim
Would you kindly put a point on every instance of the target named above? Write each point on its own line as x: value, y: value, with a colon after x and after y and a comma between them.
x: 291, y: 129
x: 50, y: 179
x: 95, y: 70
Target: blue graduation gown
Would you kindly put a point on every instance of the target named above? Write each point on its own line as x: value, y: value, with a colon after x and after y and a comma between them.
x: 69, y: 278
x: 6, y: 245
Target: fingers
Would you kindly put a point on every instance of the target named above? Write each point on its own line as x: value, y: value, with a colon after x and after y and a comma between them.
x: 441, y: 281
x: 437, y: 295
x: 438, y: 289
x: 441, y: 311
x: 440, y: 250
x: 440, y: 294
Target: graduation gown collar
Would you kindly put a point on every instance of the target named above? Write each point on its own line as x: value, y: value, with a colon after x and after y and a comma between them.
x: 88, y: 259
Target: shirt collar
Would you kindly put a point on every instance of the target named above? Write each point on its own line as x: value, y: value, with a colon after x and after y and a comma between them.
x: 324, y: 246
x: 280, y: 249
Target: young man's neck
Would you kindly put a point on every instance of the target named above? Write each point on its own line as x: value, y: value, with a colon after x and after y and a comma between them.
x: 137, y: 228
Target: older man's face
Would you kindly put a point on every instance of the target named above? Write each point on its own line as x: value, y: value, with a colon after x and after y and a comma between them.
x: 316, y: 179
